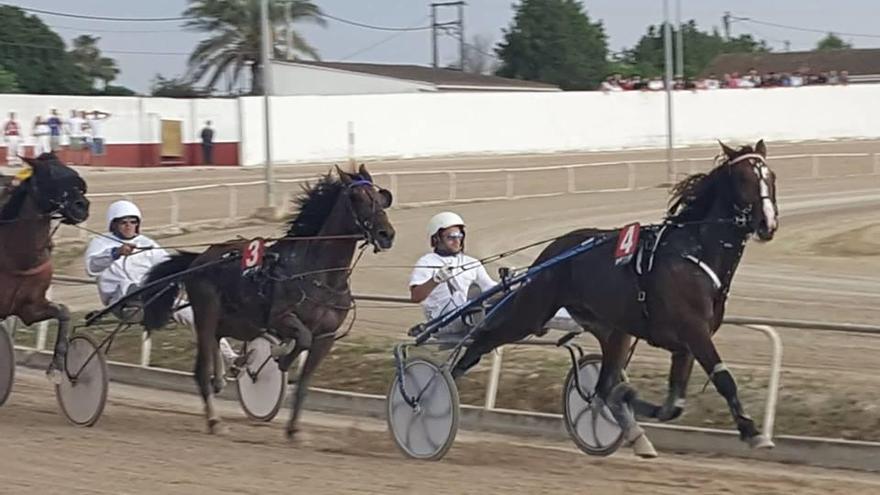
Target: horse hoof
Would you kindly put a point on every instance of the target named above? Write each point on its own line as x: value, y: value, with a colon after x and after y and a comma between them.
x: 216, y: 427
x: 761, y: 442
x: 643, y: 447
x: 219, y: 385
x: 54, y: 375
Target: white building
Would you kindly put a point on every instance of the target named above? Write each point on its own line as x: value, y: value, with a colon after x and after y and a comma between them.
x: 343, y: 78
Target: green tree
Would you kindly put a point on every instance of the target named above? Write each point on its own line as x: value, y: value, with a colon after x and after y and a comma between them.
x: 554, y: 41
x: 647, y: 57
x: 234, y: 26
x: 87, y: 56
x: 832, y: 42
x: 174, y: 88
x: 113, y: 90
x: 36, y: 56
x: 8, y: 84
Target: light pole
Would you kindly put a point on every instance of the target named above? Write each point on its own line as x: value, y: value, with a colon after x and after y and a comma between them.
x: 667, y: 42
x: 265, y: 57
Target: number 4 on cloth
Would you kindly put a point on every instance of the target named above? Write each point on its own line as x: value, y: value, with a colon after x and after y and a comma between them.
x: 252, y: 254
x: 627, y: 243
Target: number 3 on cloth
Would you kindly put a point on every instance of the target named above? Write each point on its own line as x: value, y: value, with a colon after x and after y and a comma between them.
x: 252, y: 255
x: 627, y: 243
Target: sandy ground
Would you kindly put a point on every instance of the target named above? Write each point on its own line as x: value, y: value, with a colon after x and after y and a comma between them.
x: 151, y: 442
x: 822, y: 266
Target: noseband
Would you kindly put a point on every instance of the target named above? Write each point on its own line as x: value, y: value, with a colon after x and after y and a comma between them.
x: 743, y: 216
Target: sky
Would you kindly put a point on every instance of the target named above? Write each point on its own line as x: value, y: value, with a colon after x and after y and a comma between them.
x: 625, y: 21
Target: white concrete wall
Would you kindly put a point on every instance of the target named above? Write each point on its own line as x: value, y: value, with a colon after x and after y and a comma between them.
x: 314, y: 128
x: 294, y: 79
x: 133, y: 120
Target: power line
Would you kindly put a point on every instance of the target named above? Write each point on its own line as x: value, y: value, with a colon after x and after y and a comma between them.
x: 370, y: 47
x: 98, y: 18
x: 377, y: 28
x: 809, y: 30
x: 124, y: 31
x: 124, y: 52
x: 378, y: 43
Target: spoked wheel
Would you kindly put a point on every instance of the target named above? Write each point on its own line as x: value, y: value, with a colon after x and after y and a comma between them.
x: 424, y: 431
x: 260, y: 382
x: 82, y: 392
x: 591, y: 425
x: 7, y: 364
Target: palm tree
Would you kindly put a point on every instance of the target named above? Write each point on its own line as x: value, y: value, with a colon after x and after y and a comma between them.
x: 234, y: 26
x: 87, y: 56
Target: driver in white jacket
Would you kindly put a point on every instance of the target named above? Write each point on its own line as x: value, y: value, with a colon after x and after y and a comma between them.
x: 122, y: 258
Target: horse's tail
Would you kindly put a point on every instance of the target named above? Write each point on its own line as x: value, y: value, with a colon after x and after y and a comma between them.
x: 162, y: 296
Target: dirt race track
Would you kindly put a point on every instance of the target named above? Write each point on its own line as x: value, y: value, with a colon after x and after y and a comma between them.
x: 152, y: 442
x: 822, y: 266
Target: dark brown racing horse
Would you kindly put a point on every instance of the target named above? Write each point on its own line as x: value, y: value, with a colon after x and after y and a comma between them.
x: 676, y: 303
x: 28, y: 204
x: 300, y: 294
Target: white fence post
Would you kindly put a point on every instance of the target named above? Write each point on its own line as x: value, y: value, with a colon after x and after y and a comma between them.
x: 773, y: 384
x: 452, y: 191
x: 815, y: 166
x: 392, y: 187
x: 494, y: 378
x: 631, y: 176
x: 43, y: 326
x: 509, y: 180
x: 146, y: 349
x: 571, y: 182
x: 877, y: 163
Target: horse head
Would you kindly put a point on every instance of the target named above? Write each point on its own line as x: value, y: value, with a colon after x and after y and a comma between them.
x: 57, y: 189
x: 368, y: 204
x: 753, y: 187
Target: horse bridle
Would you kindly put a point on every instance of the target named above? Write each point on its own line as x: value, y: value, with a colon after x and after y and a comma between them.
x: 743, y: 215
x: 366, y: 226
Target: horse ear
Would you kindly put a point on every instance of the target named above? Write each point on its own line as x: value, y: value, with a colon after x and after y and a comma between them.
x: 728, y: 151
x: 343, y: 176
x: 761, y: 148
x: 362, y: 171
x: 30, y: 161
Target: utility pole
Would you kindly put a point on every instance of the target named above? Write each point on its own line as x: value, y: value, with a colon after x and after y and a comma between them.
x: 679, y: 44
x: 267, y: 88
x: 288, y: 15
x: 787, y: 45
x: 457, y: 27
x: 725, y: 20
x: 667, y: 44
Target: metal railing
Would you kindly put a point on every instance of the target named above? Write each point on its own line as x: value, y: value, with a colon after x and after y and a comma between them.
x: 766, y: 326
x: 432, y: 187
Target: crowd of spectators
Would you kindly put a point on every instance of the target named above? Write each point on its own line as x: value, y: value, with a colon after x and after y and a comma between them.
x: 750, y: 79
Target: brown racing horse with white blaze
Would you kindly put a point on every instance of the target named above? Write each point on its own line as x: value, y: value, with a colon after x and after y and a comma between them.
x: 678, y: 304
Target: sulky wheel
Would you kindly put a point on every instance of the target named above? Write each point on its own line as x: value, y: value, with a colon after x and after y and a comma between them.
x: 426, y: 429
x: 82, y: 392
x: 261, y: 382
x: 588, y: 421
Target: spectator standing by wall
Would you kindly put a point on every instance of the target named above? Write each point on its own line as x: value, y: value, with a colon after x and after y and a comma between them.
x: 96, y: 119
x: 40, y: 132
x: 56, y: 126
x: 12, y: 138
x: 78, y: 146
x: 207, y: 144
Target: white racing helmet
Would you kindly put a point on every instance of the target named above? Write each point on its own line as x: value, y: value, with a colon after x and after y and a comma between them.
x: 121, y: 209
x: 442, y: 221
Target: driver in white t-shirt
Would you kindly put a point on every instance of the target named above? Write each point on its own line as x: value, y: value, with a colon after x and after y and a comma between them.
x: 441, y: 279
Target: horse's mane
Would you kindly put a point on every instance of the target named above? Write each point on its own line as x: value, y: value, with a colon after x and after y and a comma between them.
x: 11, y: 199
x: 314, y: 205
x: 692, y: 198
